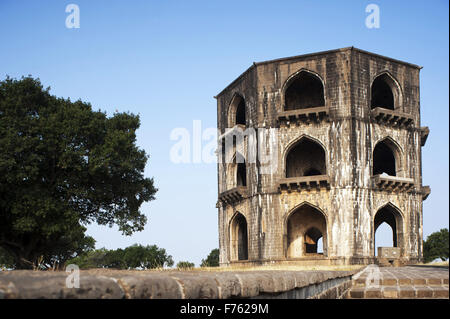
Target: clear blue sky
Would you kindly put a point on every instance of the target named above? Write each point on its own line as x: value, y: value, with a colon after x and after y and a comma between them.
x: 167, y: 59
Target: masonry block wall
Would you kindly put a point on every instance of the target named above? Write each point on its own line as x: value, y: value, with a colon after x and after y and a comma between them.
x: 348, y: 158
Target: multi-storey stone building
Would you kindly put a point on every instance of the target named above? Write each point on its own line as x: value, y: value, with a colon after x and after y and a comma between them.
x: 346, y: 157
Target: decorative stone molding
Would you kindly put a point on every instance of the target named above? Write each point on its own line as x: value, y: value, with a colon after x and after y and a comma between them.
x: 304, y: 183
x: 312, y: 114
x: 392, y: 183
x: 233, y: 195
x: 390, y: 117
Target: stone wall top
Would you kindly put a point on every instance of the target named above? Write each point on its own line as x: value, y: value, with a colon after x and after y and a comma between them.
x: 120, y: 284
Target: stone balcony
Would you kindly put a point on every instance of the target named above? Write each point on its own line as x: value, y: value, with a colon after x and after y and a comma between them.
x: 392, y: 183
x: 233, y: 195
x: 426, y: 190
x: 312, y: 114
x: 304, y: 183
x: 424, y: 132
x: 390, y: 117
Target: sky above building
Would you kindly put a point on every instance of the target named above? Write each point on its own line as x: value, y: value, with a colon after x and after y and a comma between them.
x: 165, y: 60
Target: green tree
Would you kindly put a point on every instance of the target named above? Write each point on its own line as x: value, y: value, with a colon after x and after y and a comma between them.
x: 63, y: 166
x: 147, y: 257
x: 436, y: 246
x: 212, y: 260
x: 71, y: 244
x: 185, y: 265
x: 133, y: 257
x: 6, y: 261
x: 98, y: 258
x: 115, y: 259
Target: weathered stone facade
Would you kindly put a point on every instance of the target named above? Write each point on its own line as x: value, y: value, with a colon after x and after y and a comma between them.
x: 347, y: 157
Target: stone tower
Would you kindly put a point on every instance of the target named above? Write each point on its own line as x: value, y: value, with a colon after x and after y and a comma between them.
x: 342, y: 132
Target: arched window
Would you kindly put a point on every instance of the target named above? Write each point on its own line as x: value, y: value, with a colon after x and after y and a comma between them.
x: 241, y: 175
x: 306, y: 226
x: 304, y: 91
x: 241, y: 169
x: 239, y: 238
x: 305, y: 158
x: 385, y: 92
x: 240, y: 112
x: 385, y: 158
x: 237, y: 111
x: 392, y: 217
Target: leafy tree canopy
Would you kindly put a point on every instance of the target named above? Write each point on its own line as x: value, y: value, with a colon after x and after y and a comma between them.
x: 212, y: 260
x: 133, y: 257
x: 6, y: 260
x: 436, y: 246
x: 62, y: 166
x: 185, y: 265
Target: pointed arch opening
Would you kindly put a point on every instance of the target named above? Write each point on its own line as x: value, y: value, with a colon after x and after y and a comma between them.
x: 305, y: 158
x: 241, y: 175
x: 237, y: 111
x: 306, y: 229
x: 305, y: 90
x: 386, y: 158
x: 239, y: 237
x: 240, y: 169
x: 385, y: 92
x: 392, y: 217
x: 240, y: 112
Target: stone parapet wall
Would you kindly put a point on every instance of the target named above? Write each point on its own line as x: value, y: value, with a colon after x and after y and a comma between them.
x: 117, y: 284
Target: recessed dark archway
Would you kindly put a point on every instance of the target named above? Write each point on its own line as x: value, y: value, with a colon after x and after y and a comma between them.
x: 240, y: 169
x: 239, y: 237
x: 384, y: 92
x: 386, y: 158
x: 305, y: 90
x: 237, y: 112
x: 241, y: 175
x: 240, y: 112
x: 305, y: 227
x: 391, y: 216
x: 305, y: 158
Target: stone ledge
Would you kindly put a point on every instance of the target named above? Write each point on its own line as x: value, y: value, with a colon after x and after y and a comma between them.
x: 426, y: 190
x: 290, y: 184
x: 307, y: 115
x: 424, y: 132
x: 117, y: 284
x: 392, y: 183
x: 391, y: 117
x: 233, y: 195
